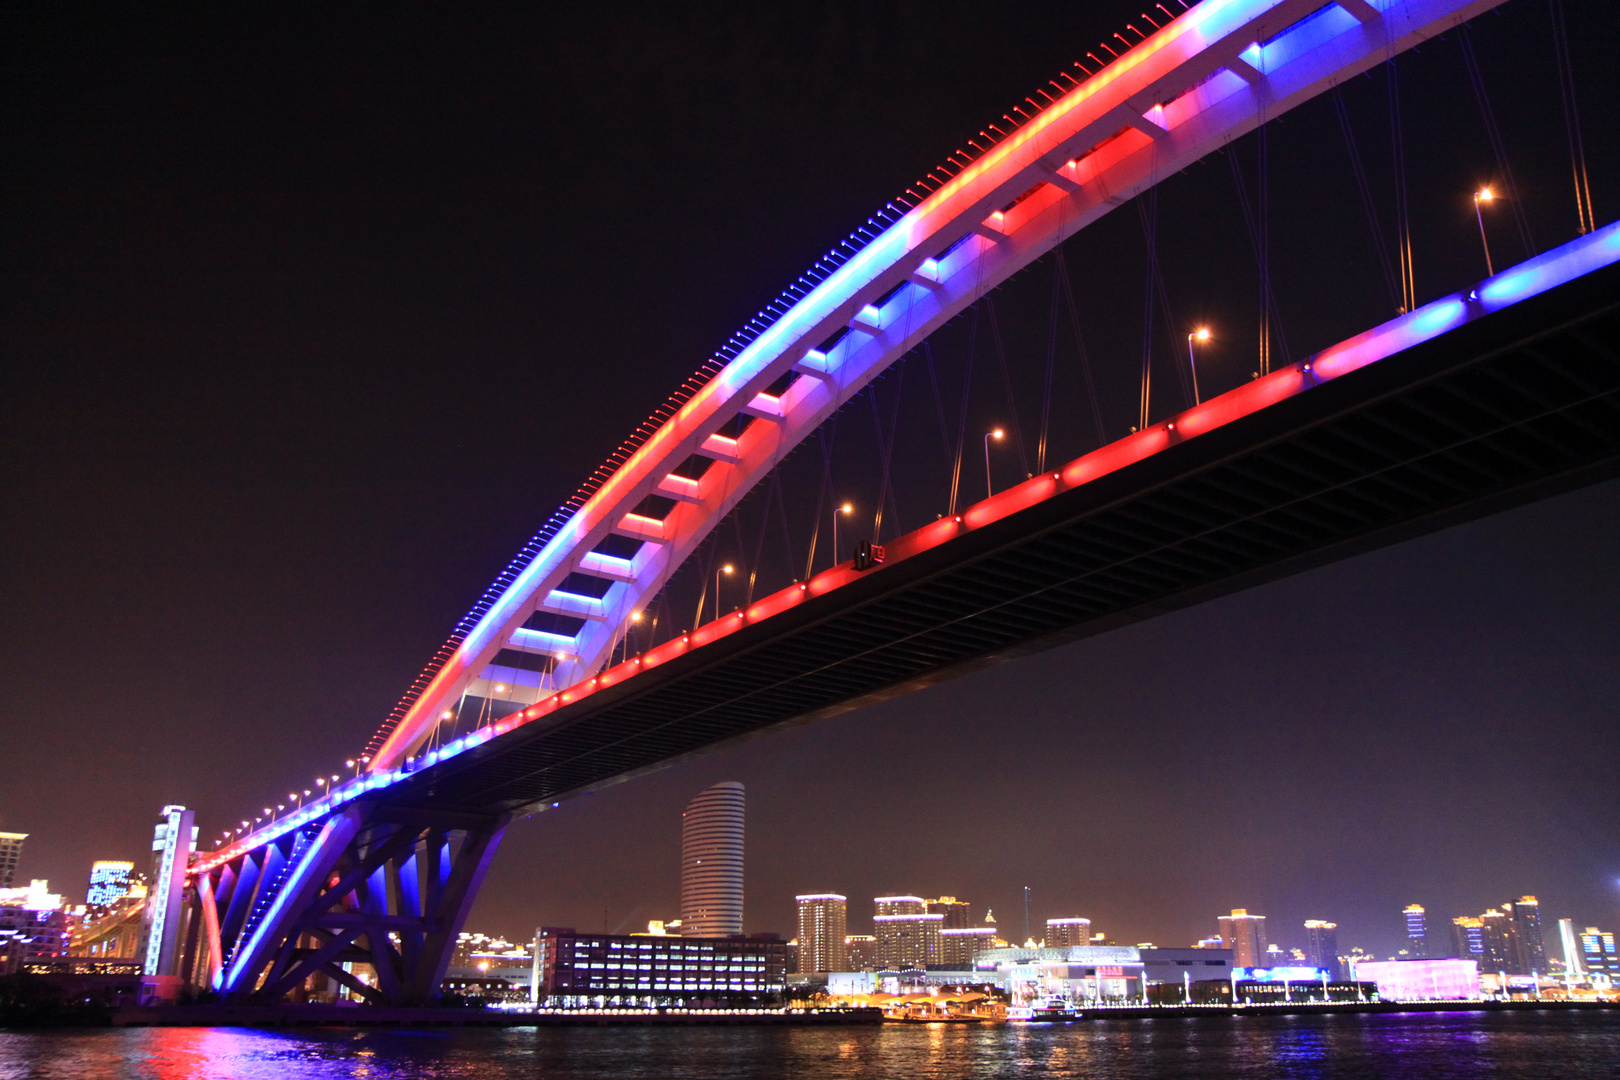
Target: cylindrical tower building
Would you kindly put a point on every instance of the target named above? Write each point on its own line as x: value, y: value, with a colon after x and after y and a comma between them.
x: 712, y: 862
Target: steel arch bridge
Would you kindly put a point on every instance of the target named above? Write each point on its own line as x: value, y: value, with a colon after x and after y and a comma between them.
x: 1479, y: 399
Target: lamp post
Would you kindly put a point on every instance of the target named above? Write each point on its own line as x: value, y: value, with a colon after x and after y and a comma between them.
x: 1484, y: 195
x: 1200, y: 334
x: 996, y: 434
x: 845, y: 509
x: 726, y: 570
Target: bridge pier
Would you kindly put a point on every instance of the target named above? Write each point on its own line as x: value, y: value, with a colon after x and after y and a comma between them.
x: 372, y: 885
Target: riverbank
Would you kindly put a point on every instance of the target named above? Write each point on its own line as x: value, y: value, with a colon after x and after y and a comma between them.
x: 279, y: 1016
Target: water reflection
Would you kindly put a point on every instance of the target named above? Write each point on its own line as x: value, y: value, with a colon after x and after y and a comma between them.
x: 1570, y: 1046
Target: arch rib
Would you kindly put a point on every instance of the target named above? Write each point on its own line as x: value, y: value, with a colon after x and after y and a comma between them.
x: 1202, y: 80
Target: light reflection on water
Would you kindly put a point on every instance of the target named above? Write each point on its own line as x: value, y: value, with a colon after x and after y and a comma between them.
x: 1569, y: 1046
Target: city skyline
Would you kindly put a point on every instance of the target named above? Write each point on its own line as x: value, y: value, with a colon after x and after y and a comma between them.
x: 1431, y: 722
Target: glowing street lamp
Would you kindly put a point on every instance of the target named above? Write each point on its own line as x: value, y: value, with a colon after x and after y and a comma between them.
x: 845, y: 509
x: 996, y: 435
x: 1484, y: 195
x: 726, y: 570
x: 1200, y: 334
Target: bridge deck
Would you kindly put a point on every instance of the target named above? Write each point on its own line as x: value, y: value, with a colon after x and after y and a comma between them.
x: 1516, y: 405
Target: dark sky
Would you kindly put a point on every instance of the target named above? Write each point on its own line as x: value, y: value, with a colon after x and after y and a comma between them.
x: 310, y: 317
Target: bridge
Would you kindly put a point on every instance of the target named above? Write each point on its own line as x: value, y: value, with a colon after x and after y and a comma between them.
x: 557, y: 682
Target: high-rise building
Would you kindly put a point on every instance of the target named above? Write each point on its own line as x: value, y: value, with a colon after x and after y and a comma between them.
x: 109, y: 881
x: 10, y: 852
x: 1067, y: 933
x: 1468, y: 939
x: 1598, y: 955
x: 1245, y: 935
x: 1529, y: 945
x: 959, y: 945
x: 712, y: 862
x: 822, y: 918
x: 1497, y: 936
x: 907, y: 933
x: 33, y: 926
x: 954, y: 910
x: 860, y: 952
x: 1322, y: 946
x: 1417, y: 931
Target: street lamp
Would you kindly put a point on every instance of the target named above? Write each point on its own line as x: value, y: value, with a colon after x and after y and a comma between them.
x: 1200, y: 334
x: 1484, y: 195
x: 726, y: 570
x: 996, y: 434
x: 845, y: 509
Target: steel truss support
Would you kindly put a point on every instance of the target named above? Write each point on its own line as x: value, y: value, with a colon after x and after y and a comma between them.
x: 375, y: 887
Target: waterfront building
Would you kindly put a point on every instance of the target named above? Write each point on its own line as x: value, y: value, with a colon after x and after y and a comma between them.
x: 1417, y: 930
x: 712, y: 862
x: 900, y: 905
x: 1468, y: 938
x: 1322, y: 946
x: 1529, y: 944
x: 1421, y: 980
x: 960, y: 945
x: 954, y: 910
x: 1496, y: 936
x: 860, y: 952
x: 1245, y: 935
x: 1062, y: 933
x: 11, y: 845
x: 109, y: 880
x: 908, y: 939
x: 574, y: 970
x: 1107, y: 973
x: 822, y: 930
x: 1598, y: 956
x: 33, y: 926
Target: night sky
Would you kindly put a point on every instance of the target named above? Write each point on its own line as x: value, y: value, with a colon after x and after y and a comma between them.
x: 310, y: 317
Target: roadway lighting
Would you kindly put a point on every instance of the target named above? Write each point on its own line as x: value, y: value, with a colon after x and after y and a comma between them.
x: 635, y: 616
x: 500, y: 688
x: 726, y: 570
x: 1200, y: 334
x: 845, y: 509
x: 306, y: 793
x: 996, y: 435
x: 334, y: 779
x: 1484, y: 195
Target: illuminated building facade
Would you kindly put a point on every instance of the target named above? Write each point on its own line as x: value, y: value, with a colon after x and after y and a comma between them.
x: 33, y: 926
x: 1322, y: 946
x: 712, y: 862
x: 1422, y: 980
x: 11, y: 845
x: 959, y: 946
x: 1245, y: 935
x: 1468, y: 938
x: 822, y: 926
x: 583, y: 970
x: 1417, y: 931
x: 109, y: 881
x: 1063, y: 933
x: 860, y: 952
x: 1598, y: 956
x: 907, y: 933
x: 1529, y: 943
x: 954, y: 910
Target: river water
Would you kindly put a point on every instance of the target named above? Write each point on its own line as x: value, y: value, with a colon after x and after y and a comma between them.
x: 1422, y: 1046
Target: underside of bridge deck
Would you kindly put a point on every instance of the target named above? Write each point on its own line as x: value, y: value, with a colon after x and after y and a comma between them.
x: 1518, y: 405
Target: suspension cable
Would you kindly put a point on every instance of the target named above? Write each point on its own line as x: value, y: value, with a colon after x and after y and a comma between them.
x: 1016, y: 424
x: 1503, y: 166
x: 961, y: 423
x: 1080, y: 344
x: 1147, y: 208
x: 1367, y: 202
x: 1572, y: 119
x: 1403, y: 218
x: 1051, y: 357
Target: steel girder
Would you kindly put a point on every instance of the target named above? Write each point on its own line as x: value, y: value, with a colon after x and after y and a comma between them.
x: 370, y: 885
